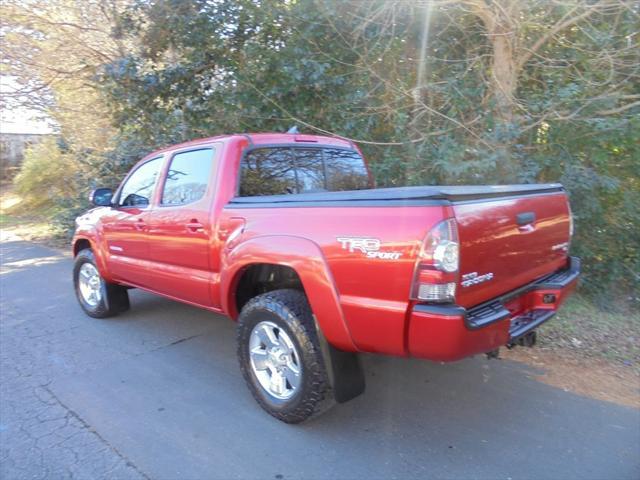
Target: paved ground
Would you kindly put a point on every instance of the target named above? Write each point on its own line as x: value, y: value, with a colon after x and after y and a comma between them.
x: 156, y: 393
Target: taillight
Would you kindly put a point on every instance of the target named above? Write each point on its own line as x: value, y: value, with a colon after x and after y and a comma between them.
x: 436, y: 272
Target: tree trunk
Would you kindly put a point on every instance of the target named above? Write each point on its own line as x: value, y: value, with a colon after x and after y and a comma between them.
x: 503, y: 86
x: 500, y: 21
x: 504, y: 79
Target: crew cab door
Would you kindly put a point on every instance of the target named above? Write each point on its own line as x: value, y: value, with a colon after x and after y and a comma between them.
x: 125, y: 227
x: 180, y: 227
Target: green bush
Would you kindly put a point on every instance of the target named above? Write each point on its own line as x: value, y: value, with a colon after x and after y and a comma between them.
x: 48, y: 175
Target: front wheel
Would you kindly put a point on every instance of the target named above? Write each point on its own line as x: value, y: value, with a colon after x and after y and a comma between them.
x: 280, y: 356
x: 97, y: 297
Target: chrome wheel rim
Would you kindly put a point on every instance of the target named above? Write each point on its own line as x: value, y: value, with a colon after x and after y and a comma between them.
x: 89, y: 284
x: 274, y: 360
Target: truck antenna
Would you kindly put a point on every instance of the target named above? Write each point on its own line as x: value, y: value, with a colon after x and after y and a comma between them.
x: 294, y: 130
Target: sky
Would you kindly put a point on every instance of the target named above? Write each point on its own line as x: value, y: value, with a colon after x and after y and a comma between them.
x: 19, y: 119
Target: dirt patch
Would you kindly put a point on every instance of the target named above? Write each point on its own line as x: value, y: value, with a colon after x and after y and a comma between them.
x: 592, y: 377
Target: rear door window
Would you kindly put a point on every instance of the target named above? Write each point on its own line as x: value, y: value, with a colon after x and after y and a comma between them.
x: 188, y: 177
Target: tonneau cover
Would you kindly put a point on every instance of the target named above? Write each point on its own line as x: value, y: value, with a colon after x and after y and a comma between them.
x: 405, y: 195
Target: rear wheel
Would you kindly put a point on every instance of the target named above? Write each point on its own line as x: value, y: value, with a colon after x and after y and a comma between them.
x: 280, y: 356
x: 97, y: 297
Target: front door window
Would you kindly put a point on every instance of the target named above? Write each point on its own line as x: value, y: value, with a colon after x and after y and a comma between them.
x: 138, y: 189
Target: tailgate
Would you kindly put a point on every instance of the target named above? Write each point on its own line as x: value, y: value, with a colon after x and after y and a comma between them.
x: 506, y: 243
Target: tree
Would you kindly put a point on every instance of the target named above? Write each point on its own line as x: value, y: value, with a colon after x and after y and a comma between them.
x: 442, y: 91
x: 53, y: 49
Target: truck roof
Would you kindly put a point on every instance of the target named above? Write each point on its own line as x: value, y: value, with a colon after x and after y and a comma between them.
x: 266, y: 138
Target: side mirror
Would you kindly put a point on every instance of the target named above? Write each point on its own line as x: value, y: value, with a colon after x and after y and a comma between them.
x: 101, y: 197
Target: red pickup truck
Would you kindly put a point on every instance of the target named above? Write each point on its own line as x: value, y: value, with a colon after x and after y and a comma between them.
x: 286, y: 234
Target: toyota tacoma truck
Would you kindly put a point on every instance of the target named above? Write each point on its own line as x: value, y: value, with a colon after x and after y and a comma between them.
x: 287, y: 235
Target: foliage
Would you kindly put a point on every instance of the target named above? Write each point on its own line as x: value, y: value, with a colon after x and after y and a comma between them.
x: 435, y: 92
x: 53, y: 50
x: 47, y: 172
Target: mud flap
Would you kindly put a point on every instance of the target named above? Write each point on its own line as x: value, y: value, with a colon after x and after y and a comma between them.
x: 115, y: 297
x: 344, y: 370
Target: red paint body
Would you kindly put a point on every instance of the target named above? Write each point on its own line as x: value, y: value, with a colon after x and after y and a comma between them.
x: 361, y: 304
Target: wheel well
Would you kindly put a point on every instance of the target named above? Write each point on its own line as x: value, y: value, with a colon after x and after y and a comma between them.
x: 265, y: 277
x: 80, y: 245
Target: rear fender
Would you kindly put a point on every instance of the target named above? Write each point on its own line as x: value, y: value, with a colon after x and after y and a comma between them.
x: 307, y: 260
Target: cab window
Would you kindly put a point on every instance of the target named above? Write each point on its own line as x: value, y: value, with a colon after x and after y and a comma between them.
x: 283, y: 170
x: 310, y: 170
x: 345, y: 170
x: 267, y: 171
x: 188, y: 177
x: 137, y: 190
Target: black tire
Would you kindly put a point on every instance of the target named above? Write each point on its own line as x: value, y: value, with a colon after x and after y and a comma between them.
x: 290, y: 311
x: 114, y: 298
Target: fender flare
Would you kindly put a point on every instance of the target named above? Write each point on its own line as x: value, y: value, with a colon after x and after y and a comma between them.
x: 306, y: 258
x: 97, y: 252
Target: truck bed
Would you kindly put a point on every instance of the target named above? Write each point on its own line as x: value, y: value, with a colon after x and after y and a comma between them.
x: 496, y: 251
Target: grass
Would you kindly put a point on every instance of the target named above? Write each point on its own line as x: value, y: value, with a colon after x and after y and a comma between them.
x: 586, y: 330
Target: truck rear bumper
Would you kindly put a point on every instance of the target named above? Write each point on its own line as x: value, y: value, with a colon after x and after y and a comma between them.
x: 451, y: 332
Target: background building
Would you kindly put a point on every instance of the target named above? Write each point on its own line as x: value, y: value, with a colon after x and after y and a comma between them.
x: 12, y: 149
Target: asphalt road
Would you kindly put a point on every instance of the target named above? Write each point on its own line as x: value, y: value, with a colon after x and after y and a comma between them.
x: 156, y: 393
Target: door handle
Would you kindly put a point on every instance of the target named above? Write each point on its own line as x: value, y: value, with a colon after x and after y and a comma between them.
x: 526, y: 222
x: 525, y: 218
x: 140, y: 224
x: 194, y: 225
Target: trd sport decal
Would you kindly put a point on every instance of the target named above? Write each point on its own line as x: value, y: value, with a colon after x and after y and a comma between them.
x: 369, y: 246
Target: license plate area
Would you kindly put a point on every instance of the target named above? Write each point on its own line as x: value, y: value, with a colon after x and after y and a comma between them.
x: 528, y: 321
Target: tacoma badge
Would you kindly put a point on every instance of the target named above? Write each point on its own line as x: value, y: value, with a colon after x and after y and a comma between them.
x: 469, y: 279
